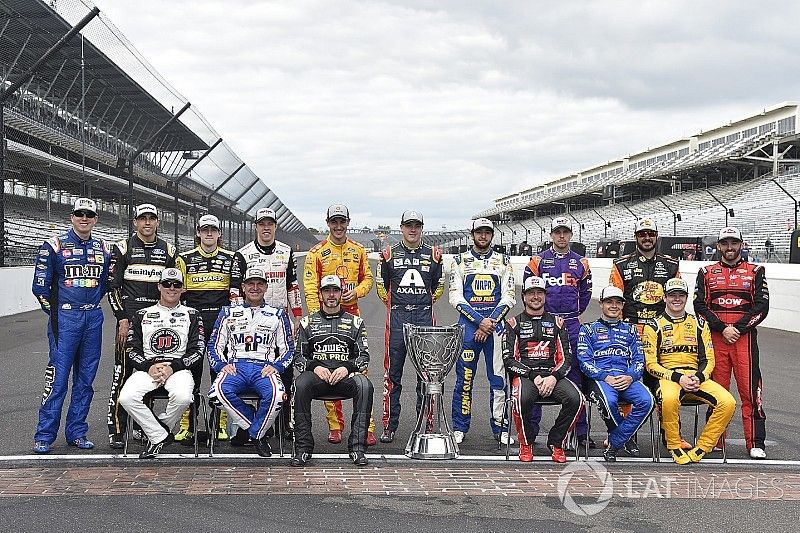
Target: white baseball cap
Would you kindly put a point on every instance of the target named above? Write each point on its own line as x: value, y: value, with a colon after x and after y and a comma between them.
x: 534, y: 282
x: 171, y: 274
x: 411, y: 216
x: 330, y: 281
x: 338, y: 211
x: 255, y: 273
x: 208, y: 220
x: 675, y: 284
x: 85, y: 204
x: 646, y: 224
x: 145, y: 209
x: 561, y: 222
x: 611, y: 292
x: 479, y: 223
x: 729, y: 233
x: 265, y: 213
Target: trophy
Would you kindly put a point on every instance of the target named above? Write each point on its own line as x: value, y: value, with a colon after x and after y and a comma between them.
x: 433, y: 350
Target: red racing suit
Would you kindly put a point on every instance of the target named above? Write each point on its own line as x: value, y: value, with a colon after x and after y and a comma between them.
x: 737, y: 295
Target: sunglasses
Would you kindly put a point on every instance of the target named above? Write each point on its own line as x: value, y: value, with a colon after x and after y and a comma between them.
x: 171, y: 284
x: 87, y: 214
x: 651, y: 234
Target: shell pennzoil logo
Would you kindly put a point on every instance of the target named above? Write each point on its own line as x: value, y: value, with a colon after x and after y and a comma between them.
x: 343, y: 272
x: 648, y: 292
x: 483, y: 285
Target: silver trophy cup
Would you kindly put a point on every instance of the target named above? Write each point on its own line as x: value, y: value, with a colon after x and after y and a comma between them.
x: 433, y: 350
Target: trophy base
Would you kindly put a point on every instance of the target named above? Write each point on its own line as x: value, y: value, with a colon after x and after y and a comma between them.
x: 432, y: 446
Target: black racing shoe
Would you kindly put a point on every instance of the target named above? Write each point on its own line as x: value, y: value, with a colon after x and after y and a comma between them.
x: 610, y: 455
x: 300, y: 459
x: 262, y: 447
x: 359, y: 459
x: 116, y: 441
x: 153, y: 450
x: 387, y: 436
x: 288, y: 435
x: 242, y: 438
x: 582, y: 442
x: 632, y: 448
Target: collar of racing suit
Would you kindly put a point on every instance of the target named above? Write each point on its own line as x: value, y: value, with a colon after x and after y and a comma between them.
x: 481, y: 256
x: 207, y: 254
x: 610, y: 323
x: 329, y: 316
x: 559, y: 255
x: 675, y: 320
x: 736, y: 264
x: 266, y: 250
x: 75, y: 236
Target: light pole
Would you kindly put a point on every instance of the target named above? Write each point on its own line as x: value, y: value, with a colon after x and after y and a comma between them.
x: 676, y: 217
x: 790, y: 196
x: 728, y: 211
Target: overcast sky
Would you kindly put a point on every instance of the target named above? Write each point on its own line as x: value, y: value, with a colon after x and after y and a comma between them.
x: 443, y: 106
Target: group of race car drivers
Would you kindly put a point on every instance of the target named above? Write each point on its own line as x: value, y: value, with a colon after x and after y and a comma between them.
x: 242, y: 312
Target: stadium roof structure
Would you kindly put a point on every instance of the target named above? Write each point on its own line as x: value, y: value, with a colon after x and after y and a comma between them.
x: 46, y: 27
x: 99, y: 83
x: 739, y: 150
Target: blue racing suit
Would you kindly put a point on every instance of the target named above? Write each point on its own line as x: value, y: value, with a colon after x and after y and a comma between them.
x: 569, y: 290
x: 251, y: 338
x: 481, y: 286
x: 612, y: 348
x: 69, y: 280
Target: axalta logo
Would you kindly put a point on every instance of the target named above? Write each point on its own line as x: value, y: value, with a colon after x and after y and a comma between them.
x: 564, y: 280
x: 730, y: 301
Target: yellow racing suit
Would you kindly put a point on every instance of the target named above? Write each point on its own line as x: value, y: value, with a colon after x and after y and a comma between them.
x: 674, y: 347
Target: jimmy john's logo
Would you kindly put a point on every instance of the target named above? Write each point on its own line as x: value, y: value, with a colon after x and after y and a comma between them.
x: 165, y: 341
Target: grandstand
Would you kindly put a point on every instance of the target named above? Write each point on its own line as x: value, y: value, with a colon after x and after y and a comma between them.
x: 89, y: 116
x: 744, y: 173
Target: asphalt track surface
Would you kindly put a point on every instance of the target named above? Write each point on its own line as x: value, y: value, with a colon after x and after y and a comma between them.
x: 479, y: 492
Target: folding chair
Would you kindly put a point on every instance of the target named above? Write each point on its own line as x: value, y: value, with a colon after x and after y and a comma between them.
x: 162, y: 394
x: 590, y: 401
x: 507, y: 413
x: 688, y: 402
x: 216, y: 409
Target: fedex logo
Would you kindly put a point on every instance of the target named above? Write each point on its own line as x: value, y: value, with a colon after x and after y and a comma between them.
x: 564, y: 280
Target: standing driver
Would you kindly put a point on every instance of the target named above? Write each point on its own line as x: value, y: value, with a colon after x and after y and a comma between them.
x: 410, y: 280
x: 732, y: 295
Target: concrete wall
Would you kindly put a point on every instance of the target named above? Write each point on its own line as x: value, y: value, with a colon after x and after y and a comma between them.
x: 17, y: 296
x: 784, y: 288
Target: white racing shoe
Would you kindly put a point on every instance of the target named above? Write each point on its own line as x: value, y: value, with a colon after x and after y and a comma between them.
x: 458, y: 436
x: 505, y: 438
x: 758, y: 453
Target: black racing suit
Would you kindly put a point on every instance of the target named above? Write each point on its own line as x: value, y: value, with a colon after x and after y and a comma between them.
x: 409, y: 282
x: 536, y: 346
x: 642, y: 283
x: 332, y: 341
x: 134, y: 274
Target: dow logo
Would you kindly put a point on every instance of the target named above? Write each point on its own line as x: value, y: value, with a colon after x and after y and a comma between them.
x: 584, y: 470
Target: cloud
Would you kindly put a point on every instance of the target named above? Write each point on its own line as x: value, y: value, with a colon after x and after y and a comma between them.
x: 444, y: 106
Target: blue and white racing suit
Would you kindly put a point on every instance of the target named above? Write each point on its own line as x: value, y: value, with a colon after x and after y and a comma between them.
x: 251, y: 338
x: 481, y: 286
x: 612, y: 348
x: 69, y: 280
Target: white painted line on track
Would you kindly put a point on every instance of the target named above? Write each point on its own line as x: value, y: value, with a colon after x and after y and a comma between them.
x: 490, y: 459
